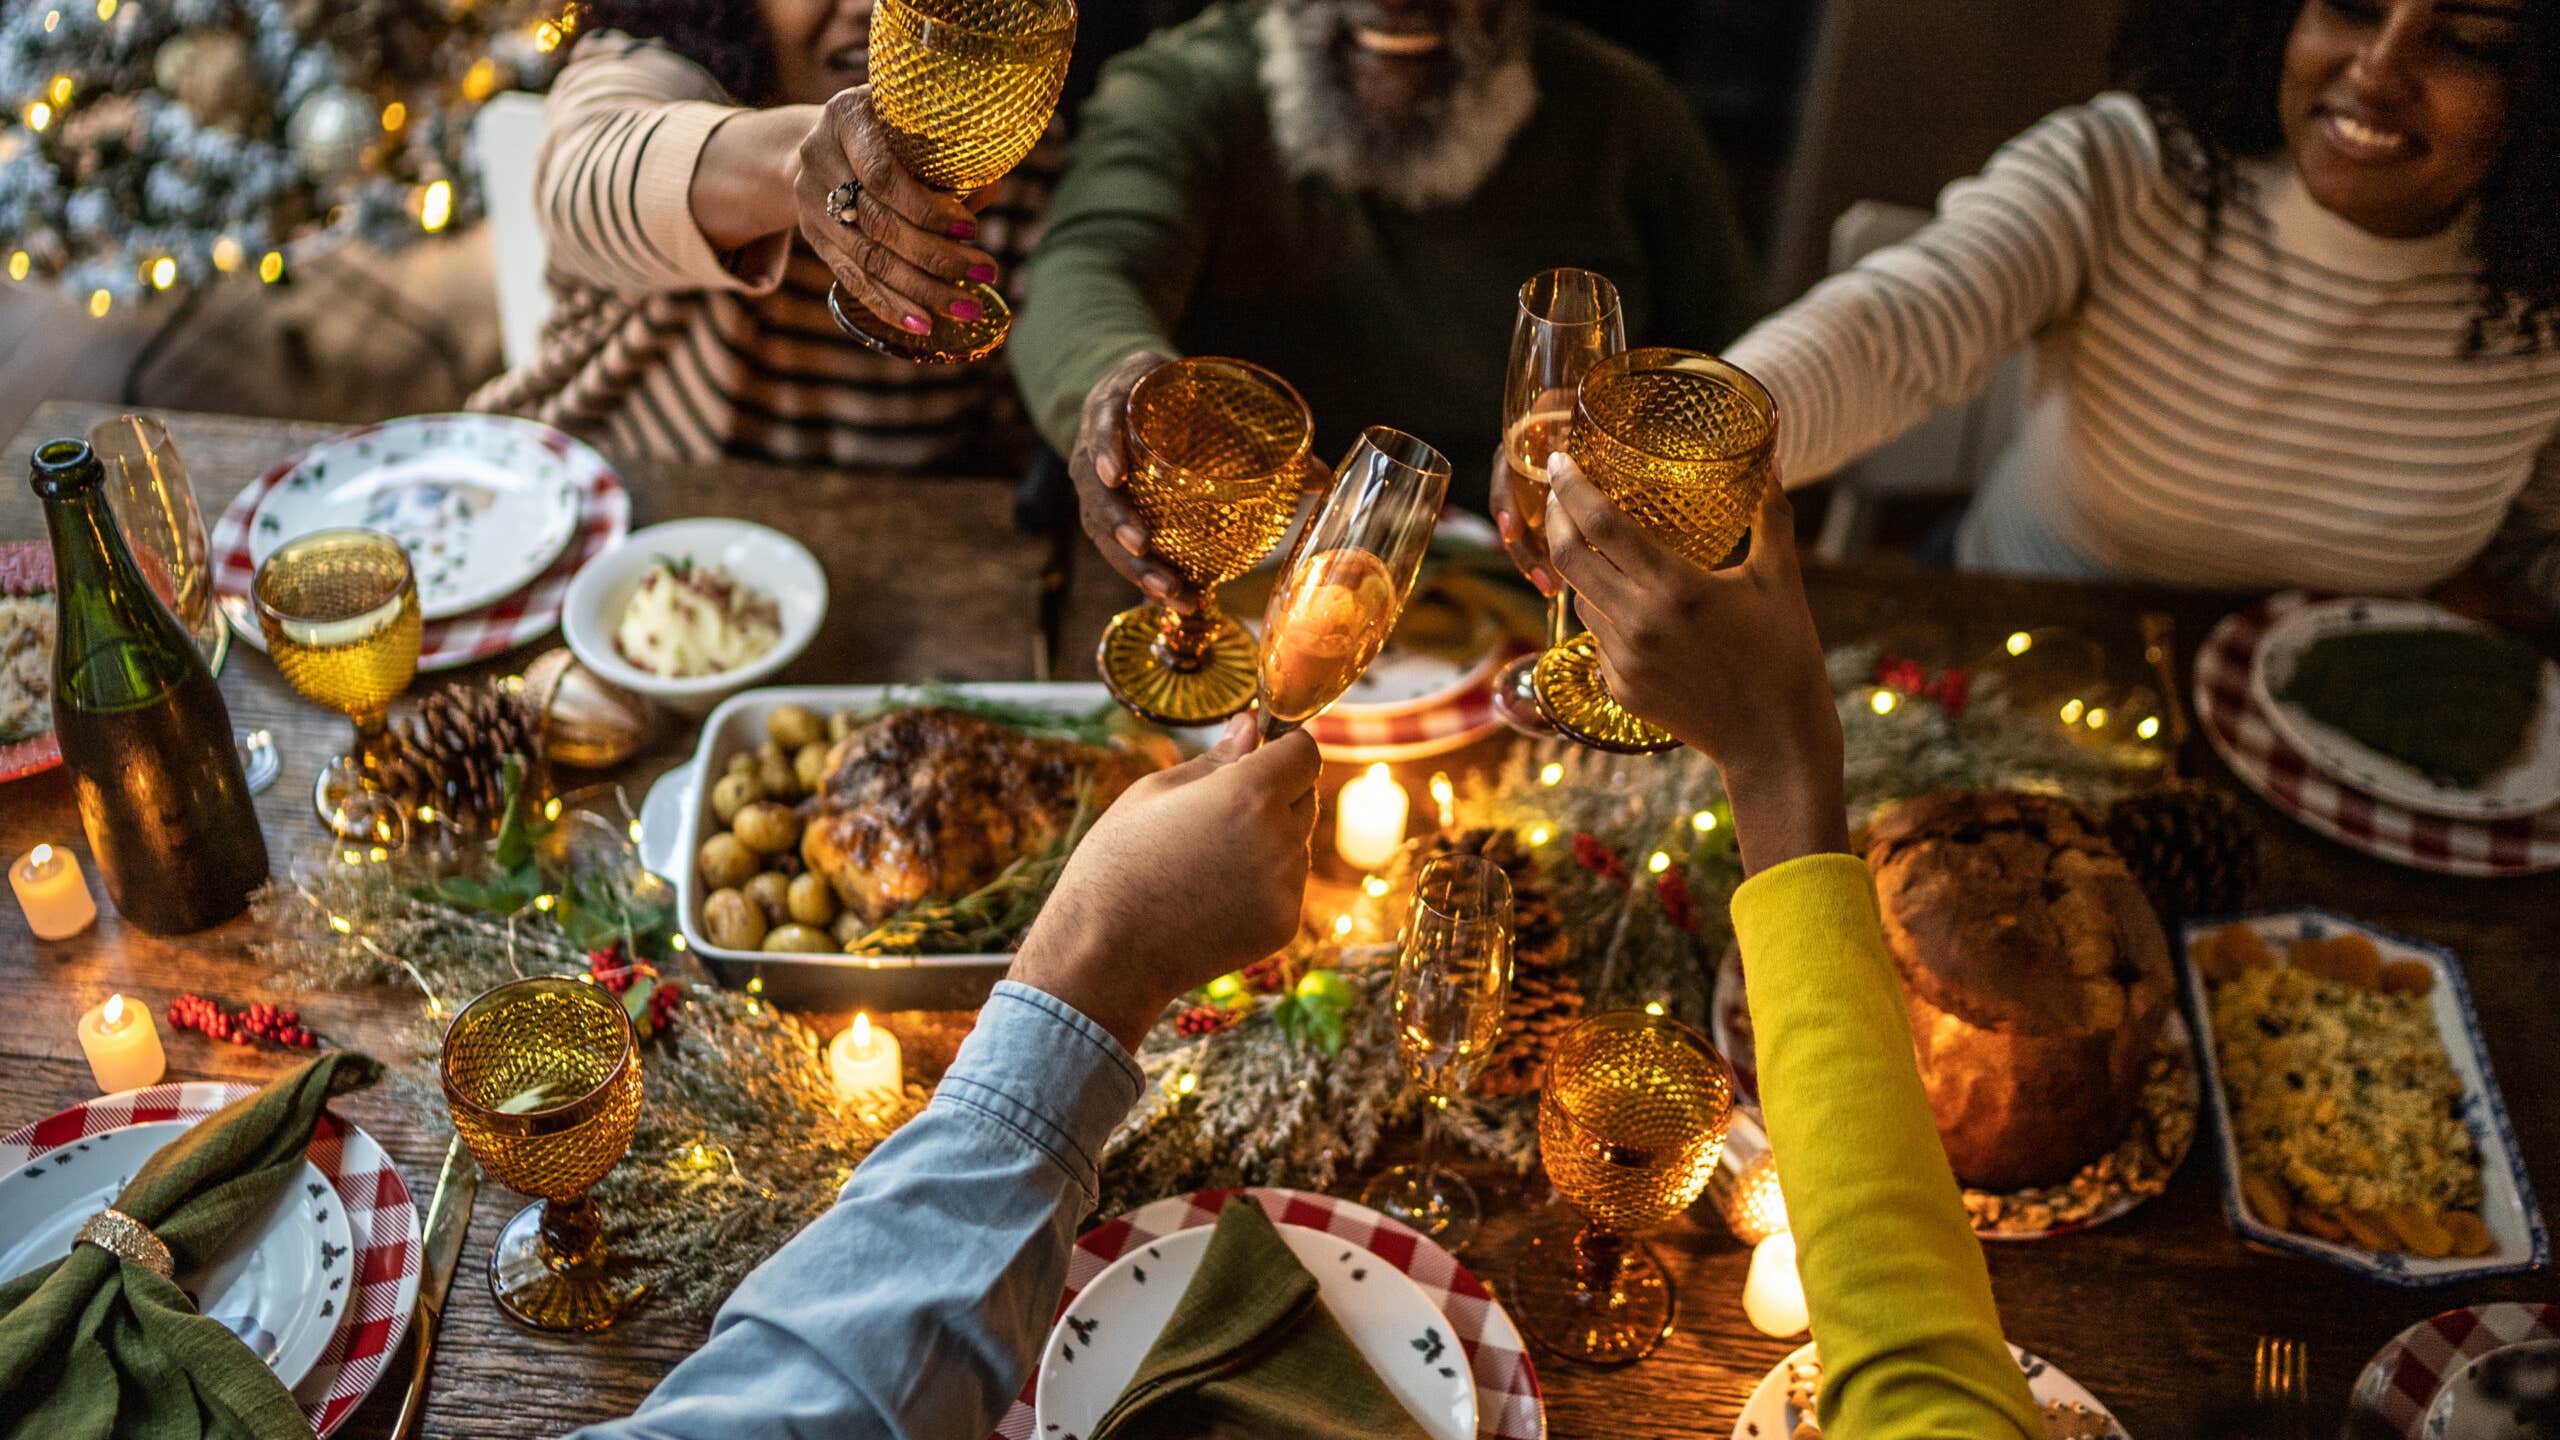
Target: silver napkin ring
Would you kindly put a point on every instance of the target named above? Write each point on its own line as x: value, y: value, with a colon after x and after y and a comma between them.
x: 842, y: 199
x: 128, y: 1240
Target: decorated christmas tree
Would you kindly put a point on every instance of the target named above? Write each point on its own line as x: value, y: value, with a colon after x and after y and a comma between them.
x: 153, y: 145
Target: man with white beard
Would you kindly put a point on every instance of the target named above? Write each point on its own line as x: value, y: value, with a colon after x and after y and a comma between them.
x: 1350, y: 192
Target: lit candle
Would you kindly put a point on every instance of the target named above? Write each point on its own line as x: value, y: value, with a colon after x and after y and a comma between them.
x: 1444, y: 796
x: 1773, y: 1298
x: 53, y: 892
x: 866, y: 1063
x: 123, y: 1045
x: 1368, y: 819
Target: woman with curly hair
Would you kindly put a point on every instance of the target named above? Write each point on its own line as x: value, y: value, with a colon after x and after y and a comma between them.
x: 2293, y: 300
x: 683, y: 186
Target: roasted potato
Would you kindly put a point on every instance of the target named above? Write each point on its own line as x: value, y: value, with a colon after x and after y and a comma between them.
x: 725, y: 861
x: 809, y: 767
x: 771, y: 890
x: 735, y: 792
x: 798, y: 939
x: 811, y: 901
x: 794, y: 726
x: 767, y: 828
x: 732, y: 921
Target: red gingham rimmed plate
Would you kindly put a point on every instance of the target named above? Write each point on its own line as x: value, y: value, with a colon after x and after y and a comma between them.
x: 375, y: 1312
x: 604, y: 517
x: 2278, y: 771
x: 1435, y: 724
x: 1507, y: 1403
x: 2402, y: 1378
x: 26, y: 568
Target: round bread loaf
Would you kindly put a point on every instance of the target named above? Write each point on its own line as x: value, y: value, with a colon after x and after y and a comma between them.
x: 2036, y: 975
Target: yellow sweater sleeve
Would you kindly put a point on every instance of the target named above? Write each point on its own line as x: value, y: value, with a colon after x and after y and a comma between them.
x: 1893, y: 1277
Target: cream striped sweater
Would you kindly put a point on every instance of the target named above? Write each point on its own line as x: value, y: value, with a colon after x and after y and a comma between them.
x: 2289, y: 405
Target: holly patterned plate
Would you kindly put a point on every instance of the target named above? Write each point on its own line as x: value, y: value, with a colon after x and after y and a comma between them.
x: 272, y: 1286
x: 2070, y: 1410
x: 1100, y: 1340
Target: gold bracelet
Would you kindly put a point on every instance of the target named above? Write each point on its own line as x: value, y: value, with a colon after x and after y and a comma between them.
x: 128, y: 1240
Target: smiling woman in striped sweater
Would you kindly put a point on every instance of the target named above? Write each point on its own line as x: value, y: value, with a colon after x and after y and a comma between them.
x: 2291, y: 301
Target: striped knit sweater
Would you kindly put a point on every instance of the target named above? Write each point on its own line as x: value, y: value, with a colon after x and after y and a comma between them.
x: 2286, y: 405
x: 658, y: 345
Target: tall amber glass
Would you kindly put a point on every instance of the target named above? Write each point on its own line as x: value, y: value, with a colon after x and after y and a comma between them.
x: 544, y: 1083
x: 1453, y: 980
x: 1217, y: 452
x: 1348, y: 579
x: 1630, y: 1125
x: 340, y: 612
x: 1683, y: 443
x: 966, y: 88
x: 1569, y: 320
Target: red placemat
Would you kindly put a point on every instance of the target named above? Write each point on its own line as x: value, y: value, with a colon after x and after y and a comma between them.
x: 2276, y: 770
x: 2404, y: 1375
x: 526, y: 616
x: 374, y: 1313
x: 1507, y: 1404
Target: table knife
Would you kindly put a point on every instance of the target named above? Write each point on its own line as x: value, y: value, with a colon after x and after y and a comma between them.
x: 448, y: 1220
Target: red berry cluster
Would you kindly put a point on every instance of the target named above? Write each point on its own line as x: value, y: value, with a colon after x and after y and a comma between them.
x: 609, y: 971
x: 1202, y: 1020
x: 666, y: 997
x: 1592, y: 855
x: 260, y: 1021
x: 664, y: 1002
x: 1269, y: 975
x: 1677, y: 901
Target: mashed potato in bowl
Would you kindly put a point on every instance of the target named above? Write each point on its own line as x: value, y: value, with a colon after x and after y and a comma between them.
x: 689, y: 620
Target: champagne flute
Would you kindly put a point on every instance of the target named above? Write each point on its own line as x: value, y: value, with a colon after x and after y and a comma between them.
x: 155, y: 506
x: 965, y: 89
x: 1630, y: 1125
x: 543, y: 1080
x: 1217, y: 451
x: 1453, y: 977
x: 1569, y: 321
x: 1684, y: 444
x: 1349, y: 576
x: 340, y: 612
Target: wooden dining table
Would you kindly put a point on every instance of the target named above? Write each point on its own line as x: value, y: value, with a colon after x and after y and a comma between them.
x: 2157, y: 1313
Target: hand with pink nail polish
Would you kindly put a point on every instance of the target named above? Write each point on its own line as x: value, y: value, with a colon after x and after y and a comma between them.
x: 899, y: 250
x: 1099, y: 466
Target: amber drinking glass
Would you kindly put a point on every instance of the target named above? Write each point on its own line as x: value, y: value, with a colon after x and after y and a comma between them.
x: 1348, y: 578
x: 544, y: 1084
x: 1453, y: 978
x: 1683, y: 443
x: 1569, y: 321
x: 340, y: 612
x: 1217, y: 452
x: 1630, y: 1126
x: 965, y: 88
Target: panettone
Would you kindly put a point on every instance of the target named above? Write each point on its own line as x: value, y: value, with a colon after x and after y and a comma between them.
x: 2036, y: 975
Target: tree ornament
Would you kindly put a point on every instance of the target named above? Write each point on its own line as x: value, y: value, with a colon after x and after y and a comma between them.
x: 2192, y: 847
x: 329, y: 132
x: 213, y: 73
x: 586, y: 720
x: 450, y: 755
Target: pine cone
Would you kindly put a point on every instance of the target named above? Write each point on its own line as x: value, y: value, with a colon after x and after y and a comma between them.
x: 1546, y: 1000
x: 451, y: 754
x: 1543, y: 1007
x: 2193, y: 848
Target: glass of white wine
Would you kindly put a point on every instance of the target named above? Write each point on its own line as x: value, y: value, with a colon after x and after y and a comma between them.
x: 340, y: 613
x: 1569, y: 321
x: 1348, y: 577
x: 1453, y: 981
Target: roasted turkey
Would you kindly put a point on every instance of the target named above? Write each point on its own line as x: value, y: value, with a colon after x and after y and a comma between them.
x: 936, y: 802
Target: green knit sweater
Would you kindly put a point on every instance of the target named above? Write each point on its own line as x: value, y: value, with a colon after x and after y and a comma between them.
x: 1176, y: 227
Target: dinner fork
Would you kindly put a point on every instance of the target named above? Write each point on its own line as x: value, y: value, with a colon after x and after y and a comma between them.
x: 2282, y: 1382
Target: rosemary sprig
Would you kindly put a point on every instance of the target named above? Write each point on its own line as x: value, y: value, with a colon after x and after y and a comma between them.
x: 1098, y: 726
x: 990, y: 919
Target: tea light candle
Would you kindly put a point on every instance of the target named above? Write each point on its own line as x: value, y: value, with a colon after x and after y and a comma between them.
x: 1773, y: 1297
x: 1368, y: 819
x: 122, y: 1042
x: 866, y: 1062
x: 53, y: 892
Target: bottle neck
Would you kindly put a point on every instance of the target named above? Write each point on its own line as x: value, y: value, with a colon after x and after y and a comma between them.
x: 116, y: 643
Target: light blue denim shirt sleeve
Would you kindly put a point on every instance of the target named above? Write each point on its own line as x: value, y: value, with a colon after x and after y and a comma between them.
x: 913, y: 1307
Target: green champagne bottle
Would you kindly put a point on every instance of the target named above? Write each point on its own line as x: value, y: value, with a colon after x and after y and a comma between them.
x: 142, y: 724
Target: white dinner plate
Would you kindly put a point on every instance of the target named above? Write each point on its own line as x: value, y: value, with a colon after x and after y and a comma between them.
x: 270, y: 1286
x: 1097, y: 1344
x: 1768, y: 1416
x: 482, y: 503
x: 2527, y: 785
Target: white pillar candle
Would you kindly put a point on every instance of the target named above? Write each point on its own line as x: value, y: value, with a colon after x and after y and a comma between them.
x: 53, y: 892
x: 122, y: 1042
x: 1773, y: 1298
x: 1368, y: 819
x: 866, y: 1063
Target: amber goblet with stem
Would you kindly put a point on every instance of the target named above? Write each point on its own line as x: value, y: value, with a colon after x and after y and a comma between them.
x: 1685, y: 444
x: 1569, y: 320
x: 544, y: 1083
x: 1630, y: 1125
x: 965, y: 89
x: 1349, y: 576
x: 1217, y: 459
x: 340, y: 612
x: 1453, y: 979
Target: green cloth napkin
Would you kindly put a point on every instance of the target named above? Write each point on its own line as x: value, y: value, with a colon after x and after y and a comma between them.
x: 1252, y: 1354
x: 91, y: 1347
x: 2455, y: 704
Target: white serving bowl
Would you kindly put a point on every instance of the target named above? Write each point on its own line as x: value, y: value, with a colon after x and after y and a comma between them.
x: 768, y: 560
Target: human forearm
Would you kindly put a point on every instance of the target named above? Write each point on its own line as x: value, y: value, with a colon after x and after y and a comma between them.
x: 1787, y: 797
x: 741, y: 189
